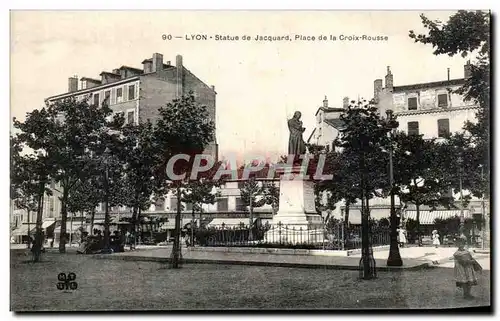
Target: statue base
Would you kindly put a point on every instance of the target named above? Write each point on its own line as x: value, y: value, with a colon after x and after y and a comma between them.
x: 291, y: 224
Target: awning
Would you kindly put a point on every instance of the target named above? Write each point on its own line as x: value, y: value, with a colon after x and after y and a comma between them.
x: 70, y: 226
x: 428, y: 217
x: 170, y: 225
x: 375, y: 214
x: 21, y: 230
x: 229, y: 222
x: 48, y: 223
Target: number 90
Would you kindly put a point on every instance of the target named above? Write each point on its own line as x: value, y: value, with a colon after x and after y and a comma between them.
x: 166, y: 37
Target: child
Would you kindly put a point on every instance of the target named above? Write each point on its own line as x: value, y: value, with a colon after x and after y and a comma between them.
x: 435, y: 239
x: 465, y: 268
x: 402, y: 237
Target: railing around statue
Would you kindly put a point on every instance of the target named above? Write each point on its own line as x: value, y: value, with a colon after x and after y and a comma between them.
x: 337, y: 237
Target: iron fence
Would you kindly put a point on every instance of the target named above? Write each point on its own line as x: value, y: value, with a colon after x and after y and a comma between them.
x: 337, y: 237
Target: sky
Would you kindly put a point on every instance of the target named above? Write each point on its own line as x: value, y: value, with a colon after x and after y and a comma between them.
x: 259, y: 85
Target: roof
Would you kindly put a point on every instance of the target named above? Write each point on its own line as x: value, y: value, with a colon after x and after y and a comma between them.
x: 328, y: 110
x: 336, y: 123
x: 109, y: 73
x: 91, y: 79
x: 443, y: 83
x: 151, y: 60
x: 131, y: 68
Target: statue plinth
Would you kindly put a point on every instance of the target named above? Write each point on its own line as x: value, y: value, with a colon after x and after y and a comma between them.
x: 290, y: 224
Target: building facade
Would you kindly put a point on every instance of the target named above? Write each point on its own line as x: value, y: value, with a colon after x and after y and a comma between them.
x: 432, y: 109
x: 139, y: 93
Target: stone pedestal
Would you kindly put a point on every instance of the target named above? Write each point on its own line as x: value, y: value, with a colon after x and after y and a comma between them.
x: 290, y: 224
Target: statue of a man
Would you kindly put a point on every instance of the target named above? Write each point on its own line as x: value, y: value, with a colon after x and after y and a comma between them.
x: 296, y: 145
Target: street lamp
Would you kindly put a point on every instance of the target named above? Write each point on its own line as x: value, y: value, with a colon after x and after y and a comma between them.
x: 394, y: 258
x: 107, y: 247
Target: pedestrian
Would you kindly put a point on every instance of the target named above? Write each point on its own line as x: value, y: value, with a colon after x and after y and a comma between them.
x: 465, y: 268
x: 435, y: 238
x: 402, y: 237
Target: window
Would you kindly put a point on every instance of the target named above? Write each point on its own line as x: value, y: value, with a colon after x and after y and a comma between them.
x: 239, y: 205
x: 130, y: 117
x: 96, y: 99
x: 160, y: 204
x: 443, y: 100
x: 131, y: 92
x: 51, y: 207
x: 173, y: 203
x: 413, y: 128
x: 443, y: 127
x: 412, y: 103
x: 119, y: 95
x: 222, y: 205
x: 107, y: 95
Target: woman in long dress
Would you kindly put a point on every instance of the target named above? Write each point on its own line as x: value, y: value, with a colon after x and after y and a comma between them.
x: 435, y: 239
x: 402, y: 237
x: 465, y: 269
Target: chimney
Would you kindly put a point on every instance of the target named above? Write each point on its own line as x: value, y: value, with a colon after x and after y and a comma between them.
x: 377, y: 89
x: 73, y: 83
x: 168, y: 63
x: 325, y: 102
x: 448, y: 74
x: 467, y: 70
x: 389, y: 81
x: 157, y: 62
x: 213, y: 87
x: 179, y: 75
x: 345, y: 102
x: 147, y: 66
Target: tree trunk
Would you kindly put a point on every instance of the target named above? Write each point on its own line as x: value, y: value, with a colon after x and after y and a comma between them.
x: 37, y: 247
x: 419, y: 239
x: 135, y: 222
x: 192, y: 226
x: 175, y: 259
x: 92, y: 216
x: 346, y: 221
x: 29, y: 229
x: 81, y: 228
x: 64, y: 219
x: 250, y: 232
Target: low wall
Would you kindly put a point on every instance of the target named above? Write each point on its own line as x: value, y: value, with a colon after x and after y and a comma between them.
x: 283, y: 251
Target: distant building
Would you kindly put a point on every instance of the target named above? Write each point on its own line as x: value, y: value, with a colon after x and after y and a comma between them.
x: 139, y: 93
x: 328, y: 124
x: 432, y: 109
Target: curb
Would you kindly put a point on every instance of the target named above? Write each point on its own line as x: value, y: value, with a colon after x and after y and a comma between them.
x: 421, y: 266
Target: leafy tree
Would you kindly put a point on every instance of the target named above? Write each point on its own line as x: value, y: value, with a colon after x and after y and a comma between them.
x: 363, y: 141
x: 85, y: 197
x: 272, y: 196
x: 197, y: 193
x: 420, y: 178
x: 141, y: 158
x: 65, y: 130
x: 184, y: 127
x: 252, y: 195
x: 468, y: 33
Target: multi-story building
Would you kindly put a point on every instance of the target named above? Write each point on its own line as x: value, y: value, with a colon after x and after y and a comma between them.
x: 433, y: 109
x: 139, y: 93
x: 328, y: 124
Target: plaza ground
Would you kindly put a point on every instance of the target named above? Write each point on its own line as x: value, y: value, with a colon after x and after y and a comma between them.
x: 136, y: 285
